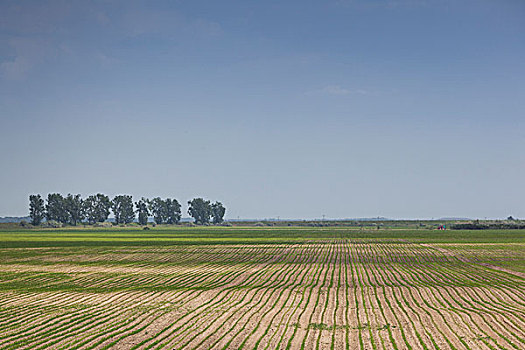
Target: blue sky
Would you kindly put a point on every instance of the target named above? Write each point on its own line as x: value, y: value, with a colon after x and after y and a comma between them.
x: 297, y: 109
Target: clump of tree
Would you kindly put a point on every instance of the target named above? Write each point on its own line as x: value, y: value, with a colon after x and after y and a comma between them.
x: 173, y: 208
x: 217, y: 212
x: 158, y: 210
x: 165, y: 211
x: 202, y: 211
x: 142, y: 211
x: 66, y: 210
x: 72, y: 210
x: 56, y: 208
x: 122, y: 206
x: 97, y: 208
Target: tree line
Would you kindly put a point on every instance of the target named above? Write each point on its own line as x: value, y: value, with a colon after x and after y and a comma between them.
x: 73, y: 210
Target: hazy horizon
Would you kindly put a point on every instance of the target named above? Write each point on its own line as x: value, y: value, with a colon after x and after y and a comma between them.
x: 344, y: 108
x: 186, y: 217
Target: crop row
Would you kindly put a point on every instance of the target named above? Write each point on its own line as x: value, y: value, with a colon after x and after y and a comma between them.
x: 337, y: 294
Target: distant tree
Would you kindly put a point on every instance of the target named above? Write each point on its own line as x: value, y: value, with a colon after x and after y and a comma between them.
x: 56, y: 208
x: 74, y: 208
x: 103, y: 207
x: 159, y: 210
x: 217, y: 212
x: 173, y: 213
x: 142, y: 211
x: 36, y: 209
x: 200, y: 210
x: 90, y: 207
x: 510, y: 218
x: 122, y: 206
x: 97, y: 208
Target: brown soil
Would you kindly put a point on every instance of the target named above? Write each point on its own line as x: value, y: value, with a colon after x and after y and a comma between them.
x: 443, y: 296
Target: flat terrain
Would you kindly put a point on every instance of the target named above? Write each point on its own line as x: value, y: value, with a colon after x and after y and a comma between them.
x: 266, y: 288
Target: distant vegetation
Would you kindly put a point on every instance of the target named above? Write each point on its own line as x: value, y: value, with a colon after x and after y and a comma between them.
x: 58, y: 210
x: 12, y: 219
x: 492, y: 225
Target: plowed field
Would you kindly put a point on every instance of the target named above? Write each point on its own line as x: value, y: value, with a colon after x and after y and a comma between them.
x: 288, y: 289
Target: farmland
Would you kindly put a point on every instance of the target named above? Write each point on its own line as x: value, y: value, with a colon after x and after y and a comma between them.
x: 265, y: 288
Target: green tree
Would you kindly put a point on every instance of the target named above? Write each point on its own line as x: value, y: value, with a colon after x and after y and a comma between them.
x: 36, y: 209
x: 217, y: 212
x: 90, y: 207
x: 200, y: 210
x: 122, y: 206
x: 75, y: 209
x: 159, y: 210
x: 142, y: 211
x: 97, y: 208
x: 56, y: 208
x: 103, y: 207
x: 173, y: 211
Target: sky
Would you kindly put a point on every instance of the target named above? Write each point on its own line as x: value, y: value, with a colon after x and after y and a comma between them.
x: 290, y: 109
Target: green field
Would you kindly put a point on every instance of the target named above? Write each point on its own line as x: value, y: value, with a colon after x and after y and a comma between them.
x: 261, y: 287
x: 173, y: 235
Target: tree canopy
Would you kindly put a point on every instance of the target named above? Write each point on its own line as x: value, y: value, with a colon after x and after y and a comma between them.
x: 217, y: 212
x: 142, y: 211
x: 56, y: 208
x: 74, y: 210
x: 97, y: 208
x: 122, y: 206
x: 36, y: 209
x: 200, y: 210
